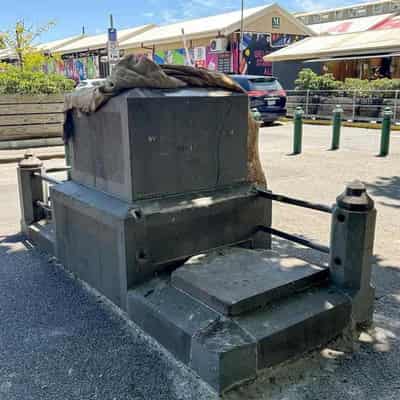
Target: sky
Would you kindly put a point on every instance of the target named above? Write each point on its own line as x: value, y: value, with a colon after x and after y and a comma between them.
x: 71, y: 15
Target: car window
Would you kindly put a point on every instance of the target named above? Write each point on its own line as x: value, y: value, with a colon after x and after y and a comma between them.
x: 264, y: 84
x: 244, y: 83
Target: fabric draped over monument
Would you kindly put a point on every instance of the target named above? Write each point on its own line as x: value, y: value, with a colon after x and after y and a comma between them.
x: 131, y: 73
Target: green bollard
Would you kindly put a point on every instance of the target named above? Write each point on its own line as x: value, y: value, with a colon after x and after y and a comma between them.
x: 298, y: 130
x: 385, y: 134
x: 336, y: 126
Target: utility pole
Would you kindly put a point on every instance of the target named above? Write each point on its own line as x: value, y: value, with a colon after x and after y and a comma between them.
x: 240, y: 37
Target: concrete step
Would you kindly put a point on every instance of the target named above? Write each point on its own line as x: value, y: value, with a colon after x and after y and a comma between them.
x: 42, y: 233
x: 237, y: 280
x: 225, y: 351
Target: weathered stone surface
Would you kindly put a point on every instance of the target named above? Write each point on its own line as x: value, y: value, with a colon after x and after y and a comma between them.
x: 91, y: 238
x: 237, y: 280
x: 169, y: 315
x: 167, y: 141
x: 352, y: 243
x: 297, y: 324
x: 43, y: 235
x: 223, y: 355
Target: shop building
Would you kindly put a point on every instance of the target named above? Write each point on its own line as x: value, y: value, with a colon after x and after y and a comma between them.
x: 223, y: 42
x: 215, y: 42
x: 371, y: 54
x: 86, y: 56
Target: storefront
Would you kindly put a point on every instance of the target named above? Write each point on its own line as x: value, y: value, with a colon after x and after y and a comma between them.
x: 370, y: 55
x: 86, y: 58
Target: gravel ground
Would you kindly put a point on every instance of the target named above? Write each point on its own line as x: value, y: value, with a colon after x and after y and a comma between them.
x: 60, y: 340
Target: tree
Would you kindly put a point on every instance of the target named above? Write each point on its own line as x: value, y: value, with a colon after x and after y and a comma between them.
x: 21, y: 39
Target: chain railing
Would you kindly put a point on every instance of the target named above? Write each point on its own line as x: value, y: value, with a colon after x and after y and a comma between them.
x: 358, y: 105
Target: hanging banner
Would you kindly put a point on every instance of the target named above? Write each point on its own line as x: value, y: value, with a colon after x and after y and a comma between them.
x: 177, y: 57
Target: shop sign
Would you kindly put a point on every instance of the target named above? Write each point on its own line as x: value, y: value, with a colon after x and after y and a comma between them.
x: 276, y: 22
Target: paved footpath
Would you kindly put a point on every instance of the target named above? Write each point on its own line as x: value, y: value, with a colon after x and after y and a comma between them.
x: 59, y: 340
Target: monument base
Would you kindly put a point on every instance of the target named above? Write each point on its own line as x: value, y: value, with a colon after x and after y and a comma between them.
x: 115, y: 245
x: 290, y: 308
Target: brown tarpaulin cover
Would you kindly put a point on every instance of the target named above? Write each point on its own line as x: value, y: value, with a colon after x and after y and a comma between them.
x: 131, y: 73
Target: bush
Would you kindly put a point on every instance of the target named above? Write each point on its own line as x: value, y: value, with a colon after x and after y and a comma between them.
x: 15, y: 81
x: 309, y: 80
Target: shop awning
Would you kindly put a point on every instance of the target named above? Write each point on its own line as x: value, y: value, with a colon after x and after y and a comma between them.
x: 96, y: 42
x: 350, y: 25
x: 347, y: 44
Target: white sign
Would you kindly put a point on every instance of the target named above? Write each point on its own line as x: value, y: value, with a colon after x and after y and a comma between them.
x: 199, y: 53
x: 112, y: 46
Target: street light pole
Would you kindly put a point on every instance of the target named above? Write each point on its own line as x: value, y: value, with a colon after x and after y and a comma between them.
x: 241, y: 21
x: 241, y: 36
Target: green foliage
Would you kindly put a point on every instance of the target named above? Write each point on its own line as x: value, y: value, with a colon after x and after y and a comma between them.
x: 309, y: 80
x: 21, y: 38
x: 15, y: 81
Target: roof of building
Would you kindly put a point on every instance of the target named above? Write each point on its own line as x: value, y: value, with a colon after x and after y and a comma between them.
x: 357, y: 43
x: 392, y: 22
x: 350, y: 25
x: 356, y: 5
x: 96, y: 42
x: 7, y: 54
x: 221, y: 24
x: 56, y: 44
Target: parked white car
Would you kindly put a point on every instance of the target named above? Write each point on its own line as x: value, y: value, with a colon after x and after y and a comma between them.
x: 87, y: 83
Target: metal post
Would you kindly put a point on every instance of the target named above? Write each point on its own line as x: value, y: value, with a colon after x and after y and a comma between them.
x: 352, y: 240
x: 336, y: 126
x: 30, y: 190
x: 396, y: 98
x: 298, y: 130
x: 354, y: 106
x: 307, y: 103
x: 240, y: 36
x: 385, y: 134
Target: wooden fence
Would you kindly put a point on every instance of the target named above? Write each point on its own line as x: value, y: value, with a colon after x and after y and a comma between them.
x: 31, y: 117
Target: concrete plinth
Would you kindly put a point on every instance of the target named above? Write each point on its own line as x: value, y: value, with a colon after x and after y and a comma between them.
x: 114, y: 245
x: 226, y: 350
x: 240, y: 280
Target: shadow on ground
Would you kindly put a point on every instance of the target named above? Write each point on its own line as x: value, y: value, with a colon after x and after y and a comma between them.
x: 388, y: 188
x: 364, y: 368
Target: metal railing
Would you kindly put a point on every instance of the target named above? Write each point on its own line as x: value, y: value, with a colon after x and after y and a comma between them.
x: 298, y: 203
x: 358, y: 105
x: 45, y: 205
